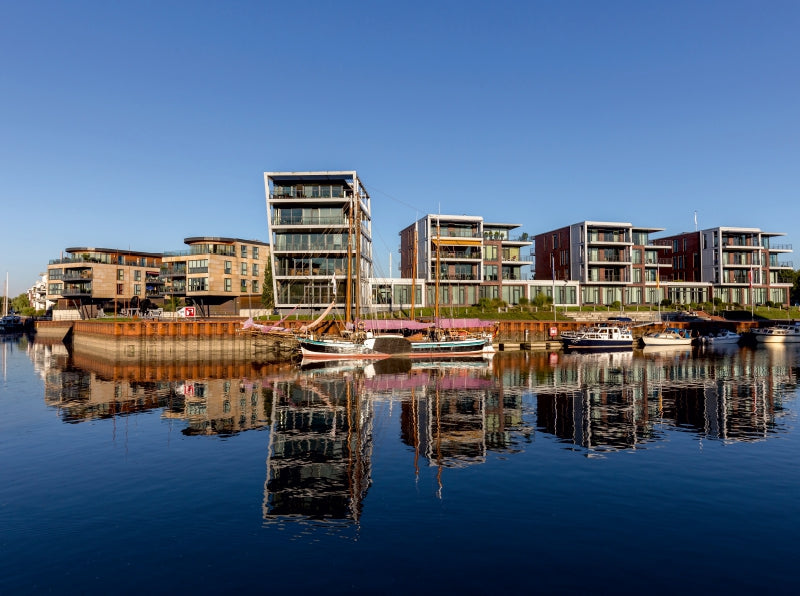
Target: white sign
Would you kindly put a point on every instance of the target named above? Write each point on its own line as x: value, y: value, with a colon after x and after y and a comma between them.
x: 189, y: 312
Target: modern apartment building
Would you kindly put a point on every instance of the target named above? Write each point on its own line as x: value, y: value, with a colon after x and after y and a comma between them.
x: 472, y: 259
x: 741, y: 264
x: 612, y: 261
x: 89, y: 278
x: 217, y: 275
x: 320, y: 229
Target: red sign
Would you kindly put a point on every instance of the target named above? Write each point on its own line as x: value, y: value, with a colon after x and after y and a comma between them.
x: 188, y: 311
x: 553, y: 331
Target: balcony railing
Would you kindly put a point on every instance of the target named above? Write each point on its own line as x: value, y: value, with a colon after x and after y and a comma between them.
x: 310, y: 220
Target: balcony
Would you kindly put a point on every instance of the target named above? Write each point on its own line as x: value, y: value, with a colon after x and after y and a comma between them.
x: 82, y: 290
x: 328, y: 221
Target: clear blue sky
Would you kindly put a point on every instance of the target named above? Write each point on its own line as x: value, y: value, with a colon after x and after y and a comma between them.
x: 137, y: 124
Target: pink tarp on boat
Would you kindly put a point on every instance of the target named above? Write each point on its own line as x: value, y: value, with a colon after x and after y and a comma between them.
x: 398, y: 324
x: 465, y: 324
x: 394, y: 325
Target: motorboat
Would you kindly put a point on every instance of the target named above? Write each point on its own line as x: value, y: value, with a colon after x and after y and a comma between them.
x: 667, y: 337
x: 598, y: 337
x: 725, y: 336
x: 778, y: 334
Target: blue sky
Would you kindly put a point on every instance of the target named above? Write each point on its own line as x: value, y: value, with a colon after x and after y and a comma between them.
x: 138, y: 124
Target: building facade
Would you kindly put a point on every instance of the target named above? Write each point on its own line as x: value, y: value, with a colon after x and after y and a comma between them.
x: 88, y: 278
x: 742, y: 265
x: 459, y: 259
x: 320, y: 229
x: 218, y: 275
x: 614, y: 262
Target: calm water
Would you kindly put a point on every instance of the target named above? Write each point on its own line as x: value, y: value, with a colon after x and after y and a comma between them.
x: 664, y: 472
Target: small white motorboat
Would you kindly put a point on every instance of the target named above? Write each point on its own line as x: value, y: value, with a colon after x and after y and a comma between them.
x: 725, y: 336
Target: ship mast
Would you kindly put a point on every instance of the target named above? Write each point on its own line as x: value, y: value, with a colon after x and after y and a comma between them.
x: 413, y: 269
x: 438, y: 272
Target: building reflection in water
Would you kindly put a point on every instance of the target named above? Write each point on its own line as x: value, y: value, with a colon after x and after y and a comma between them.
x: 452, y: 414
x: 320, y: 450
x: 612, y: 401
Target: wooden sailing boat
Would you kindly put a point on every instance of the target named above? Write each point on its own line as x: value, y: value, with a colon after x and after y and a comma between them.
x: 355, y: 342
x: 443, y: 340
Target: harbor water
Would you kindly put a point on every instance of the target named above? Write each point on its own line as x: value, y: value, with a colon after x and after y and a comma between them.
x: 658, y: 471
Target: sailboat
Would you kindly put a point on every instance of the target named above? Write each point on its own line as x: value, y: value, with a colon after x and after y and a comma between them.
x: 11, y: 321
x: 451, y: 337
x: 355, y: 341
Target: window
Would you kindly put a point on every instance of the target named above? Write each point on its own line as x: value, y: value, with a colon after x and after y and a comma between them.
x: 137, y: 289
x: 244, y: 268
x: 198, y: 266
x: 255, y: 287
x: 120, y: 276
x: 255, y: 269
x: 137, y: 275
x: 243, y: 249
x: 198, y: 284
x: 255, y: 252
x: 227, y: 284
x: 490, y: 252
x: 120, y: 289
x: 54, y: 288
x: 243, y: 287
x: 228, y: 268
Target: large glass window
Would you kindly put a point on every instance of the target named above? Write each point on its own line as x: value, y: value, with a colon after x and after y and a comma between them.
x: 243, y: 249
x: 244, y: 268
x: 198, y: 266
x: 255, y: 252
x: 228, y: 268
x: 227, y: 283
x: 255, y: 269
x: 198, y: 284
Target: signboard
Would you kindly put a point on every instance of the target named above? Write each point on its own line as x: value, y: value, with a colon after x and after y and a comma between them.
x: 553, y: 331
x: 188, y: 312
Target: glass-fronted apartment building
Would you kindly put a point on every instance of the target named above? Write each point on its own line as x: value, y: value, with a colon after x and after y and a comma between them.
x: 320, y: 229
x: 614, y: 262
x: 471, y: 258
x: 741, y: 265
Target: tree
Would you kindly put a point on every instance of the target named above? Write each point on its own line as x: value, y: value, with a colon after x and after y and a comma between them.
x: 20, y: 303
x: 267, y: 293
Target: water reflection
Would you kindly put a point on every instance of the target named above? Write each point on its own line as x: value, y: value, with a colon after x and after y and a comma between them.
x: 322, y: 419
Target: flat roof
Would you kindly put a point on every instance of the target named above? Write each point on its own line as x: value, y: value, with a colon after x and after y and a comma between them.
x: 221, y: 239
x: 121, y: 251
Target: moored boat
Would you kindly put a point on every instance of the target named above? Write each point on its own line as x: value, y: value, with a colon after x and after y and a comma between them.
x: 598, y: 337
x: 778, y: 334
x: 667, y: 337
x: 725, y: 336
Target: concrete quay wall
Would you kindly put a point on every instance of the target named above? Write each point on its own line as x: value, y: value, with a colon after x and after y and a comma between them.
x: 176, y: 341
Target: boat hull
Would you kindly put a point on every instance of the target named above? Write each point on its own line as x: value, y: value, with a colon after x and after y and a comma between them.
x: 453, y: 348
x: 597, y: 344
x: 332, y: 349
x: 658, y: 341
